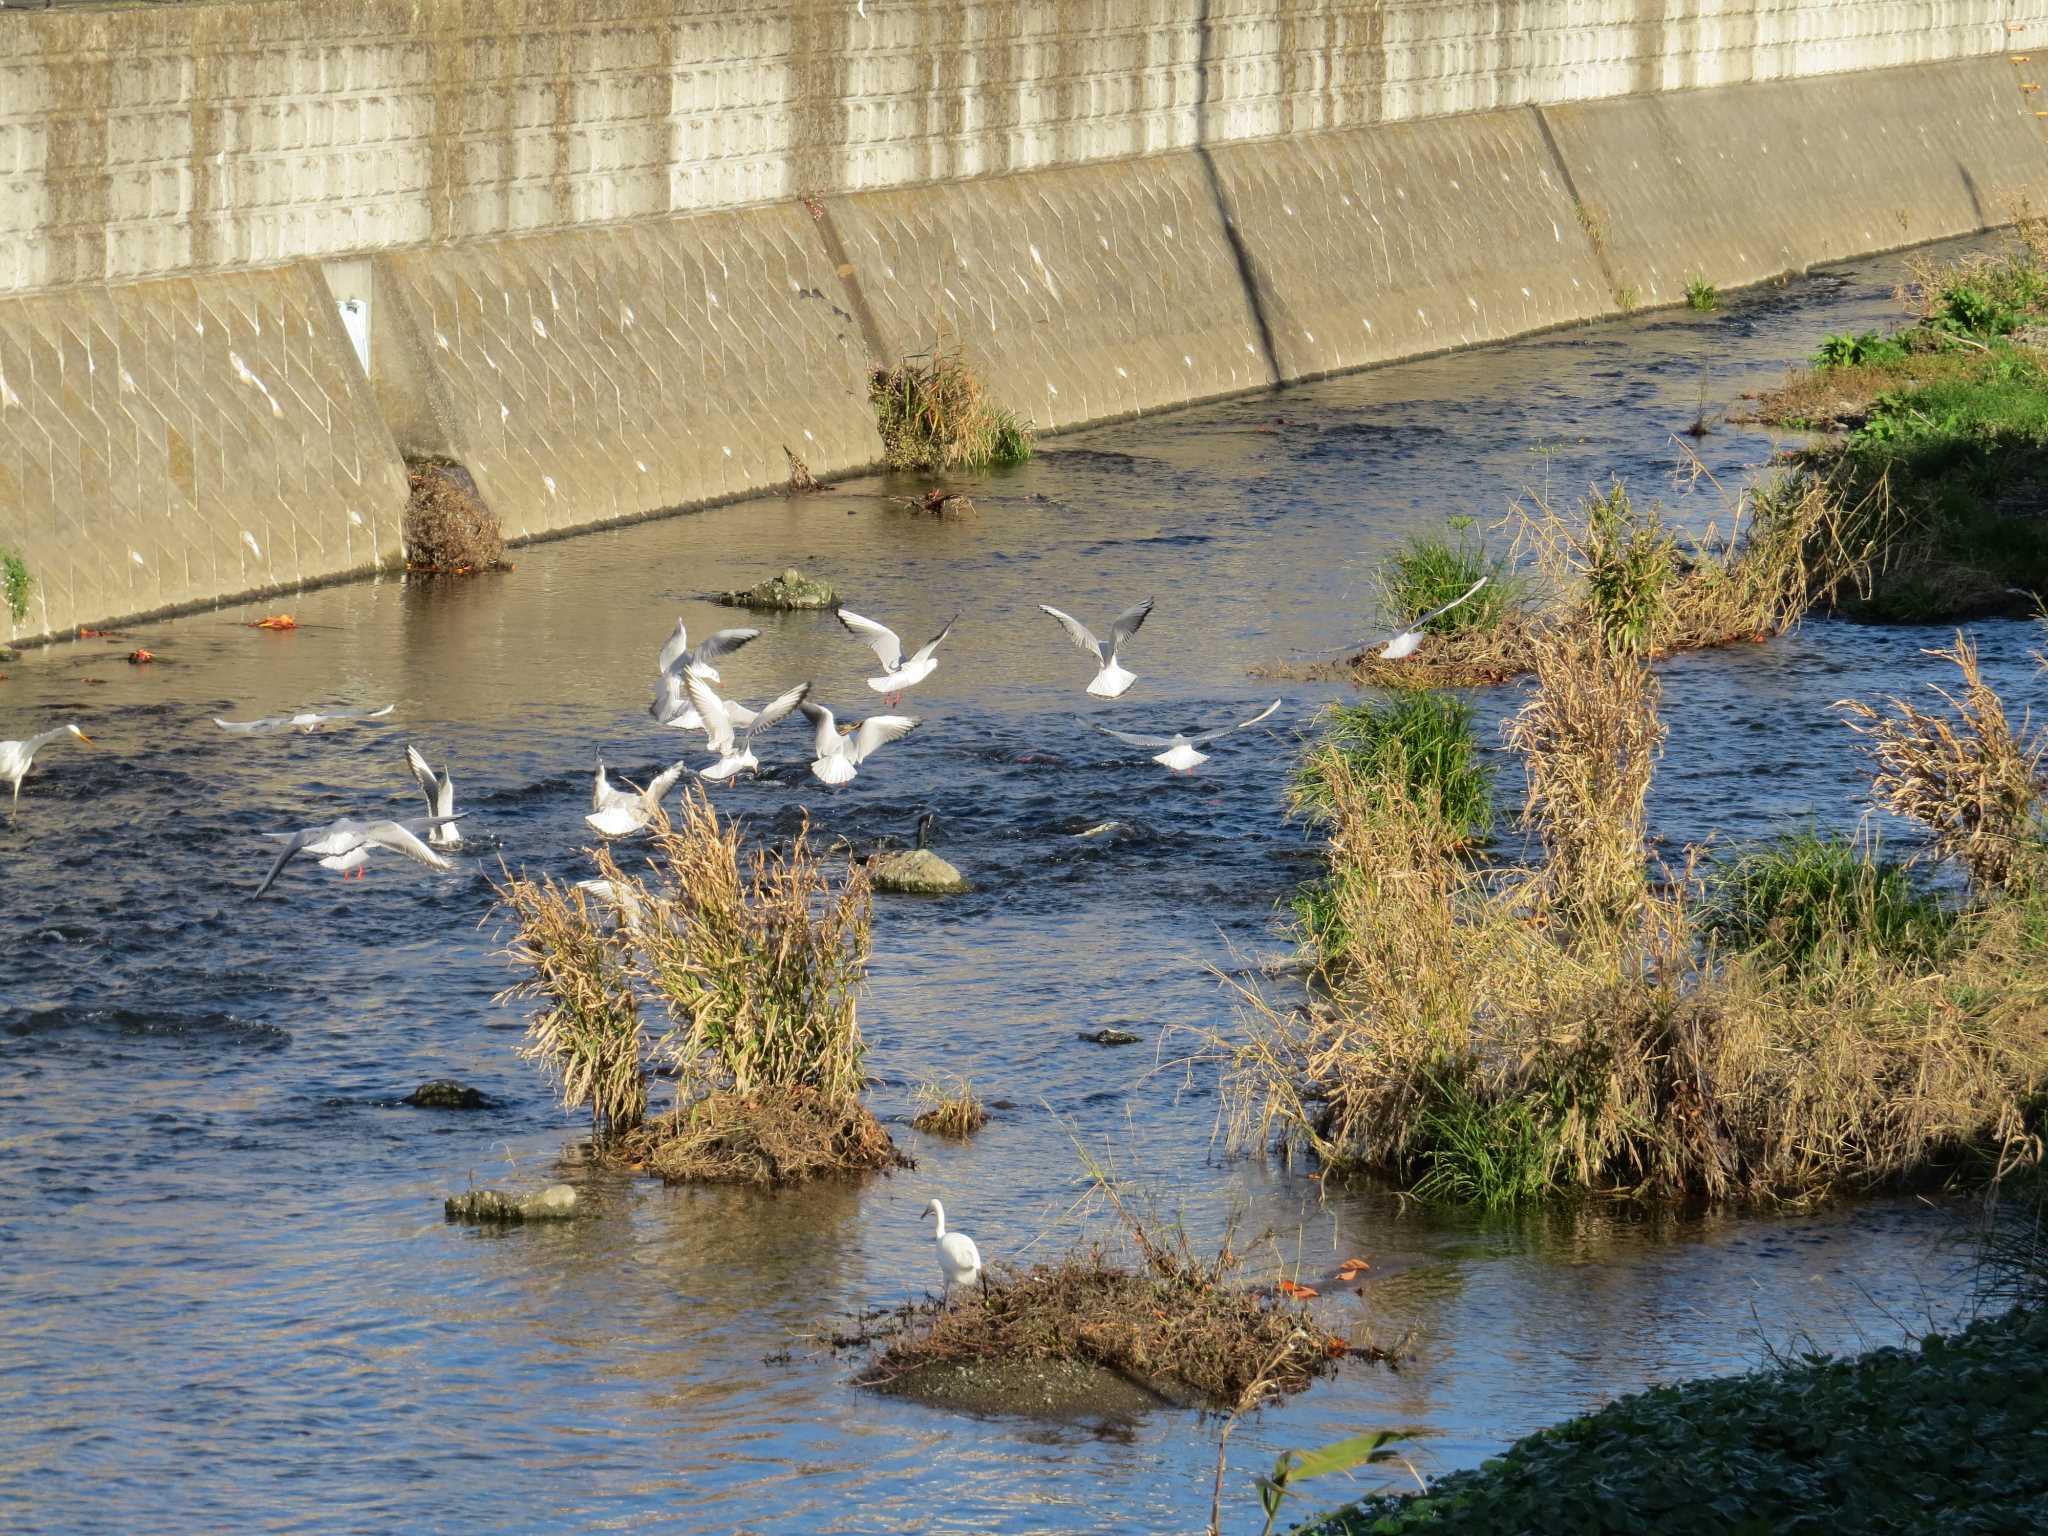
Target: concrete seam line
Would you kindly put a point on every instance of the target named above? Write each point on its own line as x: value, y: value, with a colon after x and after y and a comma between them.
x: 1571, y: 190
x: 1247, y: 273
x: 849, y: 279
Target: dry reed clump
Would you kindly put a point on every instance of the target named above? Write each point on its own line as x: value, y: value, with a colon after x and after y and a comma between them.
x: 448, y: 529
x: 756, y: 958
x: 1975, y: 785
x: 1494, y: 1034
x: 949, y: 1110
x: 935, y: 415
x: 1176, y: 1324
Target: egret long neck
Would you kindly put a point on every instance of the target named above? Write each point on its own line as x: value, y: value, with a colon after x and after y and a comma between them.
x: 939, y: 1211
x: 36, y: 744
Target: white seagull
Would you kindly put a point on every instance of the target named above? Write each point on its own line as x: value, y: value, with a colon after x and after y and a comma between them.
x: 15, y: 756
x: 305, y: 720
x: 720, y: 716
x: 897, y: 674
x: 440, y: 793
x: 1180, y: 754
x: 959, y: 1259
x: 1409, y: 640
x: 677, y: 655
x: 839, y: 755
x: 617, y: 812
x: 1112, y: 680
x: 344, y: 843
x: 619, y: 900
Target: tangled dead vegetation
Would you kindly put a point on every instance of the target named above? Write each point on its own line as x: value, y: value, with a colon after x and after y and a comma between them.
x: 935, y: 415
x: 755, y: 957
x: 949, y: 1110
x: 449, y: 531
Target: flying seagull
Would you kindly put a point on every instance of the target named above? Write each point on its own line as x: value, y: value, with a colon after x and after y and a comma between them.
x: 720, y: 716
x: 1181, y: 754
x: 617, y: 812
x: 344, y: 843
x: 440, y: 793
x: 15, y: 756
x: 839, y: 756
x: 305, y: 720
x: 1112, y: 680
x: 677, y: 655
x: 897, y: 674
x: 1409, y: 640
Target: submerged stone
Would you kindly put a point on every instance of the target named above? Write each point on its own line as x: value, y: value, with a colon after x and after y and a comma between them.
x: 790, y: 591
x: 915, y: 872
x: 495, y: 1207
x: 446, y: 1093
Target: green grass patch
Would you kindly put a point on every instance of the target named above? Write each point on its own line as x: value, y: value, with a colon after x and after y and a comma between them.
x: 1807, y: 898
x: 1432, y: 569
x: 1472, y: 1150
x: 1864, y: 350
x: 934, y: 415
x: 1422, y: 742
x: 15, y: 584
x: 1701, y: 295
x: 1947, y: 1437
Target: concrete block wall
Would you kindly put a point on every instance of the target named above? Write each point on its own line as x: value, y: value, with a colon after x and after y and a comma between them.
x: 617, y: 254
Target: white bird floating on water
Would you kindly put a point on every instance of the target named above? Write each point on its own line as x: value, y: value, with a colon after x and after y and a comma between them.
x: 344, y: 844
x: 618, y: 812
x: 305, y: 720
x: 959, y: 1259
x: 440, y: 793
x: 1181, y: 754
x: 838, y: 755
x: 1112, y: 680
x: 16, y: 756
x: 720, y: 716
x: 897, y: 674
x: 1409, y: 640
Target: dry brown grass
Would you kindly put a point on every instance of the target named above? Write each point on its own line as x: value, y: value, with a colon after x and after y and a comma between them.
x: 1490, y: 1034
x: 935, y: 414
x: 448, y: 529
x: 1970, y: 779
x: 949, y: 1109
x: 756, y: 956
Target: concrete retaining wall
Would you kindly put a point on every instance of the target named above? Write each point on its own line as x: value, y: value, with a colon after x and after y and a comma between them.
x: 616, y: 255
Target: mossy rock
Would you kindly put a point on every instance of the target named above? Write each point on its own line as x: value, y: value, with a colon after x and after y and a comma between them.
x: 446, y: 1093
x: 1110, y: 1037
x: 787, y: 593
x: 493, y: 1207
x: 915, y: 872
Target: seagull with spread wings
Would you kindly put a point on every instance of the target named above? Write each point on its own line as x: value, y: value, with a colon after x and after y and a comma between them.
x: 678, y: 660
x: 305, y: 720
x: 839, y: 754
x: 1112, y: 680
x: 440, y: 792
x: 620, y: 812
x: 344, y: 844
x: 1409, y: 640
x: 730, y: 735
x: 897, y: 672
x: 1181, y: 754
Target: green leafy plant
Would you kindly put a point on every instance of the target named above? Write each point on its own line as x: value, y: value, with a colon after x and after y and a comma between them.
x: 1367, y: 1450
x: 1865, y: 349
x: 15, y: 583
x: 1701, y: 295
x: 1632, y: 559
x: 1808, y: 897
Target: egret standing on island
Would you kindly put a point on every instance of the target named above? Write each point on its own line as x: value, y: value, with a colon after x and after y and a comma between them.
x: 959, y: 1259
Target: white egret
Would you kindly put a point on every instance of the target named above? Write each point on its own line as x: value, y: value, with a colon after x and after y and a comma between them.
x: 1112, y: 680
x: 1181, y: 754
x: 959, y: 1259
x: 897, y: 673
x: 15, y: 756
x: 838, y: 755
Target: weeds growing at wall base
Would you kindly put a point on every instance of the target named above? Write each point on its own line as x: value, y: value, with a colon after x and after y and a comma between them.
x: 449, y: 531
x: 754, y: 958
x: 15, y: 584
x: 935, y: 415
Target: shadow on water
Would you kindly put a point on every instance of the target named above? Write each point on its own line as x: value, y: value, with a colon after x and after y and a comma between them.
x: 223, y: 1233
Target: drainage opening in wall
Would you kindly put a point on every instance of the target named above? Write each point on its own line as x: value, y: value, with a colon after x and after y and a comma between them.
x: 449, y: 529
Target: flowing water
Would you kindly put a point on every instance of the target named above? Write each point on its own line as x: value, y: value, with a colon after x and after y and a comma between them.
x: 229, y: 1299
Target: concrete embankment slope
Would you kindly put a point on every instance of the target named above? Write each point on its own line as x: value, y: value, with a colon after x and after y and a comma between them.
x: 618, y: 255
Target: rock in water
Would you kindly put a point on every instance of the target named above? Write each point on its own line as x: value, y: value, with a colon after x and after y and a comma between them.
x: 494, y: 1207
x: 1110, y: 1037
x: 791, y: 590
x: 446, y: 1093
x: 915, y: 872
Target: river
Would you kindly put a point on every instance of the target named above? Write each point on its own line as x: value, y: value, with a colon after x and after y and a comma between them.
x: 229, y: 1298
